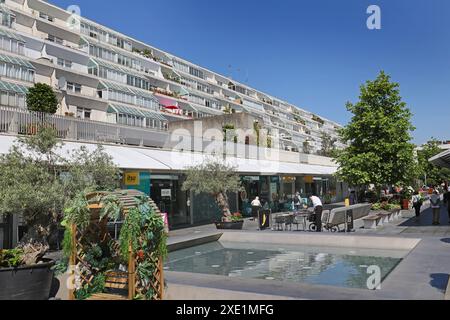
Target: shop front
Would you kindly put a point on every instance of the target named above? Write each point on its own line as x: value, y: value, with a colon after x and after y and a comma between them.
x: 167, y: 194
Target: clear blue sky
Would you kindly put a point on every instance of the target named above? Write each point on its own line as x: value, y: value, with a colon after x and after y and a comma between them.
x: 313, y: 53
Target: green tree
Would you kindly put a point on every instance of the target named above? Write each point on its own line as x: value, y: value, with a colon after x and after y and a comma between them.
x: 42, y: 98
x: 36, y: 182
x: 215, y: 178
x: 328, y: 145
x: 428, y: 172
x: 378, y: 136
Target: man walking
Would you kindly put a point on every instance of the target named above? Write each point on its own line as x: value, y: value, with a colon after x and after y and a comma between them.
x: 318, y: 209
x: 447, y: 201
x: 436, y: 206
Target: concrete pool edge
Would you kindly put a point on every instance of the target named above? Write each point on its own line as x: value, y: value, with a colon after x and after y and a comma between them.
x: 213, y: 287
x: 325, y: 240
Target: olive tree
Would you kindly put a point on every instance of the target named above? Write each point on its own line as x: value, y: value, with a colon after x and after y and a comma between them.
x: 37, y: 181
x: 215, y: 178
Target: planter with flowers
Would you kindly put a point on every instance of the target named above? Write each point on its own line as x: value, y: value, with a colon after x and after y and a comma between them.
x: 236, y: 222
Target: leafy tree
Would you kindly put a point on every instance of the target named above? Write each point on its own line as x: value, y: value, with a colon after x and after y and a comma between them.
x: 428, y: 172
x: 379, y: 150
x: 37, y: 182
x: 215, y: 178
x: 42, y: 98
x: 328, y: 145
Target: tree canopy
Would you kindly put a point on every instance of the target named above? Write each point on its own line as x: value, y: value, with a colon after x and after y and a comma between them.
x: 36, y: 181
x: 378, y: 136
x: 42, y: 98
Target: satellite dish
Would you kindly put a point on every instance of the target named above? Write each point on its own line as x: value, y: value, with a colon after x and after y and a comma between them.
x: 62, y: 82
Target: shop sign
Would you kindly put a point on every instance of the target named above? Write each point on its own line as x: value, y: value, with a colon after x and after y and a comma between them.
x: 131, y: 178
x: 166, y: 193
x: 309, y: 179
x: 289, y: 179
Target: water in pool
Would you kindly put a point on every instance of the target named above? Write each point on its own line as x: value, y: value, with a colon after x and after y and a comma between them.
x: 341, y: 267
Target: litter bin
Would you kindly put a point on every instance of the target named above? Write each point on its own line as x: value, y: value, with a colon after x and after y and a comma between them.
x: 350, y: 221
x: 264, y: 219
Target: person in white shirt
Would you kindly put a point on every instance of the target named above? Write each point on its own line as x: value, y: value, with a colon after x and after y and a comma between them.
x: 318, y: 209
x: 256, y: 206
x: 436, y: 206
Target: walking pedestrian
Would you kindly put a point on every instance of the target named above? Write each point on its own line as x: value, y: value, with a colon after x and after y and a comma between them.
x: 417, y: 204
x: 297, y: 201
x: 447, y: 201
x: 256, y: 206
x: 436, y: 207
x: 318, y: 209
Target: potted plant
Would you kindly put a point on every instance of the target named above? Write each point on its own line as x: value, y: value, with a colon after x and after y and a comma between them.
x: 406, y: 195
x: 236, y: 223
x: 25, y: 274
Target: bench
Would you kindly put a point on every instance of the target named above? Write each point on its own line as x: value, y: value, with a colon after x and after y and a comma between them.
x: 117, y: 286
x: 385, y: 217
x: 371, y: 222
x: 338, y: 216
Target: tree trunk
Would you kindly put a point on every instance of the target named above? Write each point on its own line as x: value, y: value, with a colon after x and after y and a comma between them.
x: 222, y: 202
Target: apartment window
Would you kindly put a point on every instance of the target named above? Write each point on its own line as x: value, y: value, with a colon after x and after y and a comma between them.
x: 196, y: 73
x: 74, y: 87
x: 130, y: 120
x: 138, y: 82
x: 55, y: 39
x: 83, y: 113
x: 12, y: 99
x: 64, y: 63
x: 102, y: 53
x: 6, y: 19
x: 46, y: 17
x: 16, y: 72
x: 120, y: 96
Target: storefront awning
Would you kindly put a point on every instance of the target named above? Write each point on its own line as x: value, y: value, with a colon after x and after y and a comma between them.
x: 442, y: 159
x: 154, y: 159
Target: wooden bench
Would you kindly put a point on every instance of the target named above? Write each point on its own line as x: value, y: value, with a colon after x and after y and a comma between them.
x: 117, y: 286
x: 371, y: 222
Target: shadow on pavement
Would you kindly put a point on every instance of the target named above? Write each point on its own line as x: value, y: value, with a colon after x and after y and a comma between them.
x: 439, y: 281
x: 426, y: 219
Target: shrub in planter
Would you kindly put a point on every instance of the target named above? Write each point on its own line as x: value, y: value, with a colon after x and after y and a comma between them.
x: 25, y: 274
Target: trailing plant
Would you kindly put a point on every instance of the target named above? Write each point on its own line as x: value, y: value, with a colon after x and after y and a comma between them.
x: 11, y: 258
x: 111, y: 207
x: 130, y: 232
x: 77, y: 212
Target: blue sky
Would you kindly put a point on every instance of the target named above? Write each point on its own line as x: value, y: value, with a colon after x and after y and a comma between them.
x: 313, y: 53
